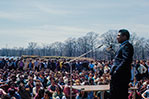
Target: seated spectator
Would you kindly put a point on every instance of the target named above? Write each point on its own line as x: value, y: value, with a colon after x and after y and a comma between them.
x: 2, y: 92
x: 37, y: 88
x: 29, y: 86
x: 106, y: 68
x: 82, y: 94
x: 46, y: 95
x: 58, y: 94
x: 134, y: 95
x: 106, y: 94
x: 12, y: 93
x: 40, y: 94
x: 67, y: 91
x: 25, y: 94
x: 52, y: 87
x: 145, y: 94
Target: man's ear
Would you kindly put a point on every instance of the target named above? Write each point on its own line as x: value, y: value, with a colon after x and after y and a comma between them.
x: 125, y: 37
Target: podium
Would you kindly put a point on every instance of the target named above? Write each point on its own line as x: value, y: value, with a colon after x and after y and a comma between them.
x: 101, y: 88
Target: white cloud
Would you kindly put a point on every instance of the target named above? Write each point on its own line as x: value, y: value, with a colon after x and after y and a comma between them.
x: 47, y: 34
x: 9, y: 15
x: 17, y: 16
x: 63, y: 28
x: 137, y: 28
x: 40, y: 34
x: 52, y: 10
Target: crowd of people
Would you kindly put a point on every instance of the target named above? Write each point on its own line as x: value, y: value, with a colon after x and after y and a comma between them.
x: 50, y: 78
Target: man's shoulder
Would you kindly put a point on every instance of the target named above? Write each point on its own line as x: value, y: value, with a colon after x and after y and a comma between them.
x: 128, y: 45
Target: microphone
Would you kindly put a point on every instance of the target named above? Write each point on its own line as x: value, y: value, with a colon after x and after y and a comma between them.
x: 109, y: 48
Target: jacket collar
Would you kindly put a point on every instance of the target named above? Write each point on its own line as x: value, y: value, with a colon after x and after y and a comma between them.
x: 124, y: 43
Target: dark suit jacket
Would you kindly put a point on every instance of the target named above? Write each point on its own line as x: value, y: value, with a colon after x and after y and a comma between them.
x: 121, y: 69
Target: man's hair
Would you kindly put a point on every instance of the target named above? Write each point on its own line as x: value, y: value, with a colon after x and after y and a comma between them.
x: 125, y: 32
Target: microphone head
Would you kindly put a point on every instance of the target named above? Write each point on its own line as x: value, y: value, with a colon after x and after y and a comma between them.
x: 109, y: 48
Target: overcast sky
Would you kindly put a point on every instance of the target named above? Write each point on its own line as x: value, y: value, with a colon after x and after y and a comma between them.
x: 48, y: 21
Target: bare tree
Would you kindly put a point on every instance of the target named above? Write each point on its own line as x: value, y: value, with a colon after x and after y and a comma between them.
x: 58, y: 48
x: 70, y: 47
x: 109, y: 39
x: 77, y: 46
x: 147, y: 49
x: 31, y: 47
x: 92, y: 42
x: 139, y: 48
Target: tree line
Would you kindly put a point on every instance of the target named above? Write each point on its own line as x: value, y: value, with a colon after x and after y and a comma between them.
x: 73, y: 47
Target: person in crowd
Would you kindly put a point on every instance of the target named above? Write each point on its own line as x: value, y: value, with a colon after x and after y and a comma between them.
x: 145, y: 70
x: 67, y: 91
x: 141, y: 70
x: 36, y: 65
x: 106, y: 68
x: 30, y: 85
x: 91, y: 66
x: 10, y: 64
x: 40, y: 94
x: 13, y: 95
x: 138, y: 72
x: 37, y: 88
x: 47, y: 95
x: 145, y: 95
x: 58, y: 94
x: 2, y: 92
x: 134, y: 94
x: 52, y: 87
x: 25, y: 94
x: 21, y: 64
x: 30, y: 65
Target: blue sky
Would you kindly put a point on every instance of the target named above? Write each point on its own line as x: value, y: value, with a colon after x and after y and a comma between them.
x: 48, y: 21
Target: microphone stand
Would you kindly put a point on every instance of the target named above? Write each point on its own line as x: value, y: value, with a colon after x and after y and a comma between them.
x: 71, y: 67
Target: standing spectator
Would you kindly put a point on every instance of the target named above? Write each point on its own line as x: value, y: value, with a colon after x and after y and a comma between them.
x: 10, y: 64
x: 91, y: 66
x: 148, y: 67
x: 36, y: 64
x: 30, y: 65
x: 45, y: 64
x: 133, y: 71
x: 145, y: 74
x: 101, y: 70
x: 21, y: 65
x: 142, y: 70
x: 25, y: 65
x: 2, y: 63
x: 53, y: 65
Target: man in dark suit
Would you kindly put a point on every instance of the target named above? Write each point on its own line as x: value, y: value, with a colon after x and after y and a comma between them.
x: 121, y: 69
